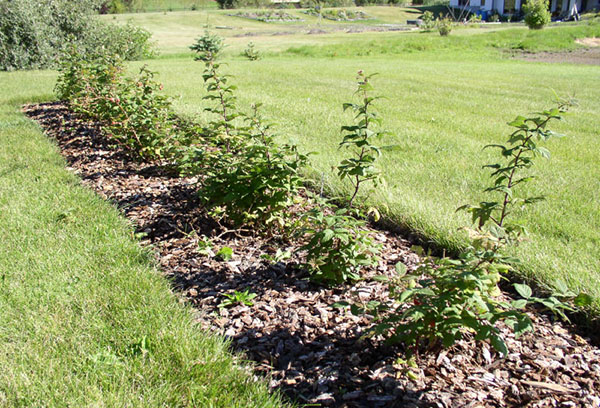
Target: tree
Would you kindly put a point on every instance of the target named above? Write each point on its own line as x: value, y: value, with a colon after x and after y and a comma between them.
x: 537, y: 14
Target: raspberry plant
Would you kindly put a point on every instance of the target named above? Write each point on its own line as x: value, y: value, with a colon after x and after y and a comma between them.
x: 447, y: 297
x: 338, y: 246
x: 133, y: 112
x: 358, y: 139
x: 248, y: 179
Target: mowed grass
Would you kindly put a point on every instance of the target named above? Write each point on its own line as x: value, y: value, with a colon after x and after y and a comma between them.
x: 442, y: 103
x: 174, y: 32
x: 85, y: 318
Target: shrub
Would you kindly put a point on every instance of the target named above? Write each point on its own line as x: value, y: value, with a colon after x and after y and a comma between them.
x: 446, y: 297
x: 428, y: 21
x: 207, y: 47
x: 338, y: 245
x: 537, y: 14
x: 34, y: 33
x: 132, y: 111
x: 255, y: 182
x: 248, y: 179
x: 226, y: 4
x: 444, y: 26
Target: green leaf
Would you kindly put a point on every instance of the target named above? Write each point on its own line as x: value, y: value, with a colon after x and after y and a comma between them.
x: 498, y: 344
x: 225, y: 253
x: 519, y: 304
x: 400, y: 269
x: 327, y: 235
x: 523, y: 290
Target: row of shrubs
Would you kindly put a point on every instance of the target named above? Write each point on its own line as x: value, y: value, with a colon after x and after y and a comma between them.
x: 34, y: 33
x: 249, y: 181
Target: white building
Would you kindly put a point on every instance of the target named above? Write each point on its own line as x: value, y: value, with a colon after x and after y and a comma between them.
x: 557, y: 7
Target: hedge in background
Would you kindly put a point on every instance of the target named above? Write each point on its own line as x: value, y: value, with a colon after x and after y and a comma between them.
x: 33, y: 33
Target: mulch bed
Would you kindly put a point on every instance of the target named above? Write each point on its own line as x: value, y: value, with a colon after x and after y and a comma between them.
x: 311, y: 352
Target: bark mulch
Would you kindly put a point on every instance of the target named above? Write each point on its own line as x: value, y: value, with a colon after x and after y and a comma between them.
x: 311, y: 352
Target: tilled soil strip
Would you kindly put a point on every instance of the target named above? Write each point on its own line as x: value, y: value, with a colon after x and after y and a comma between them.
x: 310, y: 351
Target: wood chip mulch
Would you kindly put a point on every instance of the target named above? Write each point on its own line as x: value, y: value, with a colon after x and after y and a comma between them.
x: 311, y: 352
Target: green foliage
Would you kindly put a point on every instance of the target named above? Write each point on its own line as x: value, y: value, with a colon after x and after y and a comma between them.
x: 251, y: 53
x: 518, y: 153
x: 248, y: 179
x: 134, y: 114
x: 238, y: 298
x: 279, y: 256
x: 225, y: 254
x: 34, y: 33
x: 537, y: 14
x: 227, y: 4
x: 207, y: 47
x: 444, y: 26
x: 256, y: 181
x: 428, y: 21
x: 456, y: 296
x: 338, y: 246
x: 358, y: 139
x: 446, y: 297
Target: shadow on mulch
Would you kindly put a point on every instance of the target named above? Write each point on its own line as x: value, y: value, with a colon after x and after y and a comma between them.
x: 311, y: 352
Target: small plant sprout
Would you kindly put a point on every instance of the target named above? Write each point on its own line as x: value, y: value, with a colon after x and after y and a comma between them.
x: 358, y: 139
x: 225, y: 253
x: 251, y: 52
x: 205, y: 247
x: 238, y: 298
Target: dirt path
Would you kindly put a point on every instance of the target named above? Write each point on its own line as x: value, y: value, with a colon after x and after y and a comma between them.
x: 586, y: 56
x: 312, y: 352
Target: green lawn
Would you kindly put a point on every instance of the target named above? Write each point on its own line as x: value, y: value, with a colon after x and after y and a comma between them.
x: 80, y: 301
x: 445, y: 98
x: 85, y: 319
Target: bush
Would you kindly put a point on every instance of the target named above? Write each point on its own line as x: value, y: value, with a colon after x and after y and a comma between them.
x: 428, y: 21
x: 444, y: 26
x: 338, y: 245
x: 133, y: 113
x: 33, y: 34
x: 251, y: 53
x: 447, y: 298
x: 537, y: 14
